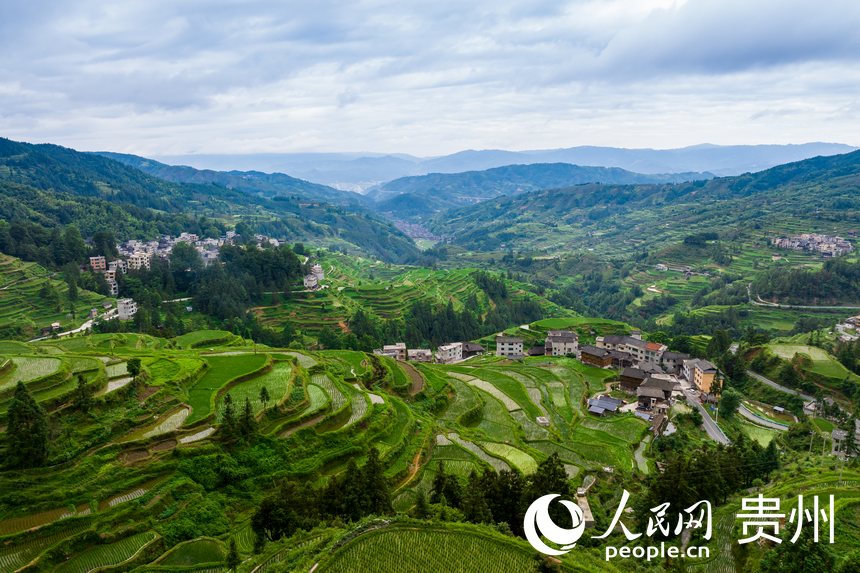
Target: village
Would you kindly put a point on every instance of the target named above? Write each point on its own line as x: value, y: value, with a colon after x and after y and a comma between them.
x: 827, y: 246
x: 648, y: 372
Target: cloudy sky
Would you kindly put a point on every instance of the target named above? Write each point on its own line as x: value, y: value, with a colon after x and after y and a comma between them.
x: 161, y: 77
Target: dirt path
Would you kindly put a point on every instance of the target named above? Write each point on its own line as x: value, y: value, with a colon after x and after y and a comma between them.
x: 413, y: 471
x: 415, y: 376
x: 309, y: 422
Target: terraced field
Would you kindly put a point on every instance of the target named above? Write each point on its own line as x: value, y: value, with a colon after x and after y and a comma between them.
x: 111, y: 554
x: 222, y: 370
x: 23, y: 312
x: 276, y: 381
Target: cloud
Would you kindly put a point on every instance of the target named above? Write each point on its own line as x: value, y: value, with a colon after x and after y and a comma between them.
x: 163, y: 77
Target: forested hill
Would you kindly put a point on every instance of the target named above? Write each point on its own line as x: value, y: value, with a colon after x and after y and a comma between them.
x: 421, y: 196
x: 47, y: 186
x: 806, y: 194
x: 253, y: 182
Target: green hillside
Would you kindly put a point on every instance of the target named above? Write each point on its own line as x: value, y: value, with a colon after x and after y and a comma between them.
x: 420, y: 197
x: 137, y: 463
x: 50, y: 186
x: 24, y: 311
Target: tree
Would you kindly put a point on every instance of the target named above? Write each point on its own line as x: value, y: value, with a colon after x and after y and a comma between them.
x: 247, y: 422
x: 133, y: 367
x: 421, y: 511
x: 83, y: 395
x: 805, y: 556
x: 851, y: 563
x: 264, y: 397
x: 376, y: 485
x: 729, y: 402
x: 233, y: 560
x: 27, y: 431
x: 228, y: 418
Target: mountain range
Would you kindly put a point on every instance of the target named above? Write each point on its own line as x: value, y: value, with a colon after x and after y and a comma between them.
x: 360, y: 171
x: 419, y: 197
x: 820, y: 194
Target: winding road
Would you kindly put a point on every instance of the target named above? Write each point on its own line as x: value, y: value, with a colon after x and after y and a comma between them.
x: 781, y: 388
x: 711, y: 427
x: 758, y: 420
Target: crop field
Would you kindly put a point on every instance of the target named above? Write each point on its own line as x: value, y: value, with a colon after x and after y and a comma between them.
x: 200, y: 338
x: 484, y: 416
x: 515, y: 457
x: 110, y: 554
x: 335, y: 395
x: 23, y: 312
x: 276, y: 381
x: 823, y: 363
x: 222, y: 369
x: 195, y: 552
x: 429, y: 551
x: 29, y: 368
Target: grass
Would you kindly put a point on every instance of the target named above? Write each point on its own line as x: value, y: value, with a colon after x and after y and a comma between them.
x: 200, y: 338
x: 222, y: 369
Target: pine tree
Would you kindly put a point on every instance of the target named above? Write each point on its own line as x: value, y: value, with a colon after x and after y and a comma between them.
x: 233, y: 560
x: 264, y: 397
x: 83, y: 395
x: 376, y: 484
x: 475, y: 508
x: 228, y: 418
x: 421, y: 511
x: 27, y: 431
x: 247, y: 422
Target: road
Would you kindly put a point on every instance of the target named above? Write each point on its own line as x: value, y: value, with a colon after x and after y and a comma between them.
x: 109, y: 315
x: 779, y: 387
x: 711, y: 427
x: 745, y: 412
x: 758, y: 301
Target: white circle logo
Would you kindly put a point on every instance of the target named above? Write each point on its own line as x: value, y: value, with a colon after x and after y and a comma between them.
x: 538, y: 515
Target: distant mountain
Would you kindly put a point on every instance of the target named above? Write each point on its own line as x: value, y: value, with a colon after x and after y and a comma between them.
x: 819, y: 194
x: 422, y: 196
x: 48, y: 186
x: 359, y: 171
x: 255, y: 182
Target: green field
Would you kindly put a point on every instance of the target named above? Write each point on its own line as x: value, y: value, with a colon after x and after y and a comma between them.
x: 222, y: 369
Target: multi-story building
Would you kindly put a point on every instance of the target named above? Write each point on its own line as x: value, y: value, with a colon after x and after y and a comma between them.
x: 139, y: 260
x: 509, y: 346
x: 126, y: 308
x: 595, y: 356
x: 317, y: 271
x: 396, y: 351
x: 561, y: 343
x: 98, y: 264
x: 642, y: 351
x: 311, y: 282
x: 118, y: 265
x: 419, y: 355
x: 448, y: 353
x: 701, y: 373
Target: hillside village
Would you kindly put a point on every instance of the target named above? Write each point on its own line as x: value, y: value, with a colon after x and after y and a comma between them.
x: 650, y: 374
x: 826, y: 245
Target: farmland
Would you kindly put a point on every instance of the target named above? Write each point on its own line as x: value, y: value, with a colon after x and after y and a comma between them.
x: 146, y: 481
x: 382, y: 289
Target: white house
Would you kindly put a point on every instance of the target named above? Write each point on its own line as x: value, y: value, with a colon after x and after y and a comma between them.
x: 126, y: 308
x: 509, y: 346
x: 448, y: 353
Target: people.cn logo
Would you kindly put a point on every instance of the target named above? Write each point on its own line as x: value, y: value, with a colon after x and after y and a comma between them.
x: 538, y: 520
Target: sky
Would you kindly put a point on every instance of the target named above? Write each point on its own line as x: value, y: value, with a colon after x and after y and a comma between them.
x: 161, y: 77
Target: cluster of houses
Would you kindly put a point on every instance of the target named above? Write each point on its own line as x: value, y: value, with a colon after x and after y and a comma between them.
x: 826, y: 245
x: 446, y: 354
x: 313, y: 278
